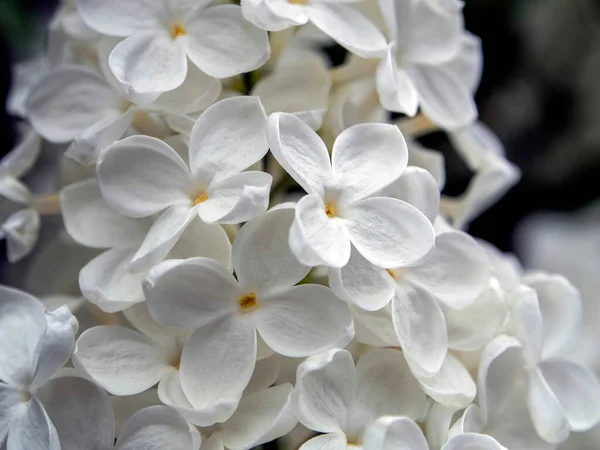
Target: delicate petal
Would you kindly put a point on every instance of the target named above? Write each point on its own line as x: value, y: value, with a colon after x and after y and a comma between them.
x: 457, y: 272
x: 228, y: 137
x: 427, y: 159
x: 55, y: 346
x: 22, y: 157
x: 91, y: 222
x: 262, y: 242
x: 452, y: 385
x: 367, y: 286
x: 389, y: 233
x: 384, y: 386
x: 149, y: 62
x: 420, y: 328
x: 375, y: 327
x: 260, y: 418
x: 162, y: 237
x: 221, y: 43
x: 300, y: 151
x: 444, y: 98
x: 316, y: 239
x: 158, y: 428
x: 273, y: 16
x: 468, y: 63
x: 216, y: 374
x: 363, y: 150
x: 471, y: 421
x: 577, y: 388
x: 12, y: 402
x: 266, y: 372
x: 324, y: 391
x: 546, y: 411
x: 472, y: 441
x: 527, y: 323
x: 68, y: 101
x: 14, y: 190
x: 21, y: 231
x: 106, y: 282
x: 237, y: 198
x: 141, y: 175
x: 560, y: 305
x: 122, y: 361
x: 303, y: 320
x: 190, y: 293
x: 349, y: 28
x: 81, y: 413
x: 203, y: 239
x: 389, y: 433
x: 117, y: 18
x: 396, y: 90
x: 330, y: 441
x: 22, y: 325
x: 33, y: 429
x: 419, y: 188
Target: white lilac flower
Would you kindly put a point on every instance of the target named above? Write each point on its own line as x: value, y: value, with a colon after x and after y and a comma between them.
x: 141, y: 176
x: 227, y: 312
x: 35, y: 346
x: 161, y: 35
x: 339, y: 213
x: 343, y: 23
x: 105, y: 280
x: 334, y: 397
x: 83, y: 416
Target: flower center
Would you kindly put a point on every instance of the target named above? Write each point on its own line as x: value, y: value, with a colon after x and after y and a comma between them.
x: 298, y: 2
x: 329, y: 210
x: 200, y: 198
x: 396, y: 274
x: 178, y: 30
x: 248, y: 302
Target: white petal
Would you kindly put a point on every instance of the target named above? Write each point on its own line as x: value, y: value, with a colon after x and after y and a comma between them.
x: 365, y: 149
x: 468, y: 63
x: 106, y: 282
x: 560, y: 305
x: 389, y: 433
x: 396, y: 90
x: 21, y: 231
x: 472, y: 441
x: 14, y: 190
x: 384, y: 386
x: 116, y: 18
x: 202, y: 239
x: 81, y: 413
x: 300, y: 151
x: 546, y: 411
x: 303, y: 320
x: 273, y: 16
x: 68, y: 101
x: 452, y: 385
x: 375, y: 327
x: 471, y: 421
x: 222, y: 44
x: 367, y: 286
x: 324, y: 391
x: 260, y: 418
x: 22, y: 324
x: 330, y: 441
x: 23, y: 156
x: 157, y: 428
x: 316, y: 239
x: 419, y: 188
x: 190, y: 293
x: 576, y: 387
x: 217, y: 363
x: 389, y: 233
x: 162, y: 237
x: 259, y: 244
x: 91, y: 222
x: 122, y: 361
x: 266, y: 372
x: 349, y: 28
x: 444, y: 98
x: 149, y: 62
x: 526, y: 321
x: 141, y: 175
x: 420, y: 329
x: 33, y: 429
x: 228, y: 137
x: 427, y: 159
x: 12, y: 403
x: 237, y: 198
x: 438, y: 423
x: 55, y: 347
x: 457, y: 272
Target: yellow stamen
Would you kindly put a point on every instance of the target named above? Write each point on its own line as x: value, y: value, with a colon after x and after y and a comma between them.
x: 329, y: 210
x: 396, y: 274
x: 298, y: 2
x: 178, y: 30
x: 248, y: 302
x: 200, y: 199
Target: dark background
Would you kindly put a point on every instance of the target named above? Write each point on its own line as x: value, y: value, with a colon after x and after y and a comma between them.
x: 539, y: 93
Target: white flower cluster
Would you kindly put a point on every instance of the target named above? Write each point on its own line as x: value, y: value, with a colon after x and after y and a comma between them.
x: 273, y: 257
